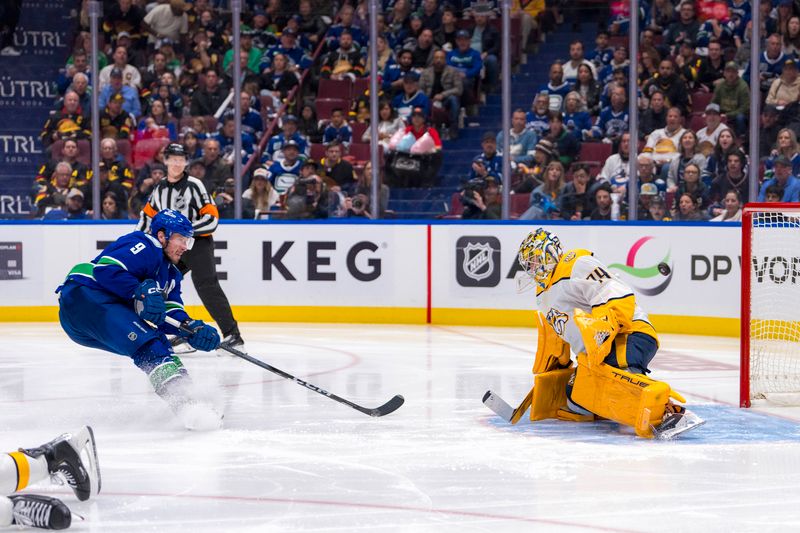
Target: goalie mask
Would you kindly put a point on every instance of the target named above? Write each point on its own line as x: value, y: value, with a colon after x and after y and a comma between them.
x: 538, y: 255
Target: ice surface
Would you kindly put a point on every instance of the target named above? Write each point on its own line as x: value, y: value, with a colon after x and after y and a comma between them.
x: 289, y: 459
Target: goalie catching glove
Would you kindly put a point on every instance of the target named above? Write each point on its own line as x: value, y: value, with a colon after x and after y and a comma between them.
x: 148, y: 302
x: 203, y: 337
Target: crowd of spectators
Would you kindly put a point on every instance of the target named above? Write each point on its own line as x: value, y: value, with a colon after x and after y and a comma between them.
x: 166, y: 75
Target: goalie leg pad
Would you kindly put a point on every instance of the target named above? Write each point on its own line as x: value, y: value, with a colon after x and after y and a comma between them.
x: 630, y: 399
x: 550, y: 393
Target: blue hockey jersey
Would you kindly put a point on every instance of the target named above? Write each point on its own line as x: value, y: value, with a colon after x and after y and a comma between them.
x: 127, y: 262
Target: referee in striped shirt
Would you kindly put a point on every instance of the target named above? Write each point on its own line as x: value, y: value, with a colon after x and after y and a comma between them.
x: 184, y: 193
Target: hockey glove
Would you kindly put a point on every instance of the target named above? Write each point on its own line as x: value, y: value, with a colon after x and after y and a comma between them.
x: 149, y: 302
x: 204, y: 337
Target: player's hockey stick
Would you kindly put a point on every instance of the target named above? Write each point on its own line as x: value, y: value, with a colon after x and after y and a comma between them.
x: 389, y: 407
x: 505, y: 411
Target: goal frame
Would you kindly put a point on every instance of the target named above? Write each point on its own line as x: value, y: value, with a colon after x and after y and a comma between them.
x: 744, y: 344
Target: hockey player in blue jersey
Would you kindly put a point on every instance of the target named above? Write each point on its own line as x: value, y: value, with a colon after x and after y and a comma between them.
x: 119, y: 301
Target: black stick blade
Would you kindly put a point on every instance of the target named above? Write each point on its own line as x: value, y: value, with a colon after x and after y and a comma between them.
x: 389, y: 407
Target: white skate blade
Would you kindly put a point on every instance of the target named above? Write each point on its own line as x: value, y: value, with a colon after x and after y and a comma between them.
x: 200, y: 417
x: 83, y: 442
x: 498, y: 405
x: 687, y: 422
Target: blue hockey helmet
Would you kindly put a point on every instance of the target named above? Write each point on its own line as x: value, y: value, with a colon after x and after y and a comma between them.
x: 170, y: 221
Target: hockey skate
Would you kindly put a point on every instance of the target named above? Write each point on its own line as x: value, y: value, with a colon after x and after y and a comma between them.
x: 677, y: 420
x: 233, y: 340
x: 32, y: 510
x: 180, y: 345
x: 73, y: 458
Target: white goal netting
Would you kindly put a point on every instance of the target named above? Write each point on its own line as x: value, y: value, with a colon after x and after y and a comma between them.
x: 774, y: 303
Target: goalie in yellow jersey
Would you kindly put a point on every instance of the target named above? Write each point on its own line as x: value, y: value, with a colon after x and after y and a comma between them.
x: 585, y: 310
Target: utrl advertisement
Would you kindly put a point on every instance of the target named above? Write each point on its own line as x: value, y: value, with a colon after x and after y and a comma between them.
x: 381, y: 273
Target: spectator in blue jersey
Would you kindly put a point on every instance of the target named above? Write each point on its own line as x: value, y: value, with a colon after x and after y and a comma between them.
x: 282, y: 174
x: 523, y: 140
x: 770, y: 63
x: 618, y: 60
x: 345, y: 24
x: 556, y: 89
x: 225, y: 137
x: 467, y: 60
x: 252, y: 123
x: 411, y: 97
x: 613, y: 120
x: 394, y: 73
x: 129, y: 94
x: 276, y: 142
x: 538, y: 118
x: 486, y: 40
x: 783, y: 179
x: 79, y: 65
x: 488, y: 162
x: 297, y: 56
x: 337, y: 129
x: 566, y: 143
x: 602, y: 53
x: 575, y: 119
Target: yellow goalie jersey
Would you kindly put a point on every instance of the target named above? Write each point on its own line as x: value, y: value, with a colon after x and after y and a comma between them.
x: 581, y: 281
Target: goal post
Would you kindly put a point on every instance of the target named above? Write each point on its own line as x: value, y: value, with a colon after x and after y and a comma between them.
x: 770, y: 304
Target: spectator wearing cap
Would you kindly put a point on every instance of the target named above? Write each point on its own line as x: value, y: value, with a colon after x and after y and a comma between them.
x: 619, y: 61
x: 166, y: 21
x: 670, y: 83
x: 770, y: 63
x: 714, y: 126
x: 576, y: 59
x: 467, y: 60
x: 344, y: 62
x: 616, y: 169
x: 73, y: 206
x: 441, y: 83
x: 544, y: 153
x: 784, y: 179
x: 123, y: 17
x: 411, y: 97
x: 288, y: 132
x: 114, y: 122
x: 613, y: 120
x: 130, y: 96
x: 733, y: 98
x: 711, y: 68
x: 261, y: 195
x: 647, y: 192
x: 247, y: 49
x: 602, y: 53
x: 69, y: 122
x: 283, y: 173
x: 338, y: 129
x: 489, y: 162
x: 418, y: 127
x: 686, y: 27
x: 209, y: 98
x: 393, y: 74
x: 297, y: 57
x: 769, y: 128
x: 538, y: 118
x: 658, y: 210
x: 785, y: 89
x: 130, y: 75
x: 556, y: 89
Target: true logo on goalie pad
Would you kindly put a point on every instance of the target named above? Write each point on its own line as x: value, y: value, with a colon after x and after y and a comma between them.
x: 557, y: 320
x: 478, y: 261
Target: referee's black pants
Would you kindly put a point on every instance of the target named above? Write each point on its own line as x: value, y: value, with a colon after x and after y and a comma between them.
x: 200, y: 260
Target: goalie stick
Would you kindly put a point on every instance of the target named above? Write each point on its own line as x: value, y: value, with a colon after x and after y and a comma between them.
x: 505, y: 411
x: 389, y: 407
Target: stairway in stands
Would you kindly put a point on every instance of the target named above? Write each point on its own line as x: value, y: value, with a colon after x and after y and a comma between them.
x: 458, y: 154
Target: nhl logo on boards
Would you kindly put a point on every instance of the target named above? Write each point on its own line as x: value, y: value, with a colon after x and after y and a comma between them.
x: 478, y: 261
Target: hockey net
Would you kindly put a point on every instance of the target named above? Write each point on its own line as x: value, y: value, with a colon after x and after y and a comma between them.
x: 770, y: 312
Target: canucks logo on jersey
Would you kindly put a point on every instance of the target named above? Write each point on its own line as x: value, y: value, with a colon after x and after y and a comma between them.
x: 557, y: 320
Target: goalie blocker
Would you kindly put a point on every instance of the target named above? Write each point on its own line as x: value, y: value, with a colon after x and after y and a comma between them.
x: 614, y: 342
